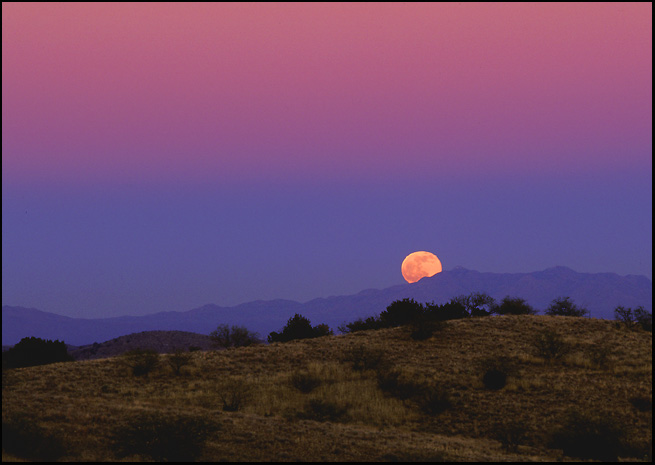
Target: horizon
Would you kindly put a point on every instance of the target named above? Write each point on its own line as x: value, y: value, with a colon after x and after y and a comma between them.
x: 455, y: 268
x: 159, y: 157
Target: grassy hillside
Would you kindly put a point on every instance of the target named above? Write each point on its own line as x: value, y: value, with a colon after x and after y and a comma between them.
x: 159, y: 341
x: 573, y: 384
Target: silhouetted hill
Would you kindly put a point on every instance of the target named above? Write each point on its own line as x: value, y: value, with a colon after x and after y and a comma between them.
x: 163, y: 342
x: 601, y: 293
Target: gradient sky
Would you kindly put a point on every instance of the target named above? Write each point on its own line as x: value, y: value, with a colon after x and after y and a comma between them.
x: 160, y: 157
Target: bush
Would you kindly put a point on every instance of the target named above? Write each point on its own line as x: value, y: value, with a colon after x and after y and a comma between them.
x: 163, y: 437
x: 550, y: 346
x: 234, y: 394
x: 633, y: 319
x: 424, y: 329
x: 511, y: 435
x: 401, y: 312
x: 323, y: 410
x: 393, y: 383
x: 360, y: 325
x: 514, y: 306
x: 449, y: 311
x: 434, y: 400
x: 564, y: 306
x: 141, y: 361
x: 305, y: 381
x: 32, y: 351
x: 22, y: 437
x: 299, y: 327
x: 236, y: 336
x: 178, y: 360
x: 494, y: 379
x: 363, y: 358
x: 496, y: 370
x: 589, y: 437
x: 642, y: 403
x: 476, y: 303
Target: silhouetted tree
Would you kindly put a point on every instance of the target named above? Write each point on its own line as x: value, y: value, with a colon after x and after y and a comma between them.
x: 476, y: 303
x: 32, y: 351
x: 452, y: 310
x: 637, y: 318
x: 401, y: 312
x: 514, y: 306
x: 564, y: 306
x: 299, y: 327
x: 235, y: 336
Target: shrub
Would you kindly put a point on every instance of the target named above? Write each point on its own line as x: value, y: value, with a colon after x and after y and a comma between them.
x: 514, y: 306
x: 393, y: 383
x: 564, y: 306
x: 589, y: 437
x: 401, y: 312
x: 423, y: 329
x: 434, y: 400
x: 550, y: 345
x: 178, y: 360
x: 163, y: 437
x: 449, y: 311
x: 32, y: 351
x: 22, y: 437
x: 476, y: 303
x: 496, y: 370
x: 323, y: 410
x: 236, y: 336
x: 360, y: 325
x: 363, y: 358
x: 642, y: 403
x: 494, y: 379
x: 234, y: 394
x: 305, y: 381
x: 511, y: 435
x: 141, y: 361
x: 599, y: 354
x: 633, y: 319
x: 299, y: 327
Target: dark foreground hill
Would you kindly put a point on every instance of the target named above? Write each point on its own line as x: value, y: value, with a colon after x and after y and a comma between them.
x: 598, y: 292
x: 505, y: 388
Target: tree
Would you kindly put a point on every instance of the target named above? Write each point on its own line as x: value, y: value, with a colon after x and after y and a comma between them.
x: 452, y: 310
x: 32, y: 351
x: 235, y: 336
x: 141, y: 361
x: 514, y: 306
x: 634, y: 318
x: 476, y: 303
x: 299, y: 327
x: 179, y: 359
x: 564, y: 306
x: 401, y: 312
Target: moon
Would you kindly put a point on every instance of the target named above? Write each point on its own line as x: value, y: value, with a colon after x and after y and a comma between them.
x: 418, y: 265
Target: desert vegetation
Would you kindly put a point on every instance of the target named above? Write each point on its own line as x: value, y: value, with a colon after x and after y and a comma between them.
x: 496, y: 388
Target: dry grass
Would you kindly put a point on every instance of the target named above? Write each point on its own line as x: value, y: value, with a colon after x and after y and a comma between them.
x: 347, y: 417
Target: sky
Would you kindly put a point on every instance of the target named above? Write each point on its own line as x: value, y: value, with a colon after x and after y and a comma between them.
x: 160, y: 157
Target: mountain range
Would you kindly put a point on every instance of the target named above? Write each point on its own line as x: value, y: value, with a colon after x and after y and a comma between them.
x: 600, y: 293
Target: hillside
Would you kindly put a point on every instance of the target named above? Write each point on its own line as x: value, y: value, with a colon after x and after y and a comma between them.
x: 370, y: 396
x: 163, y: 342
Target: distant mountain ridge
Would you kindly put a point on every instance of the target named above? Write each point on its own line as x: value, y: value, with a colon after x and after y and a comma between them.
x: 599, y: 292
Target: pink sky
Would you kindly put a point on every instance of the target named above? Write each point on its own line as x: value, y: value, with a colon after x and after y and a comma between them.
x: 213, y: 91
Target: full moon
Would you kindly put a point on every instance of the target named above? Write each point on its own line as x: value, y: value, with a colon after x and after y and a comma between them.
x: 418, y: 265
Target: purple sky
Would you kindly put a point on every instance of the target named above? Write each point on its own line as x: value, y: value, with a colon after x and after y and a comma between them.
x: 163, y: 157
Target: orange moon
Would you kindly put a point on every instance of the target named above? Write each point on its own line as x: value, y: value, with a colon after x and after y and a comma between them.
x: 418, y: 265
